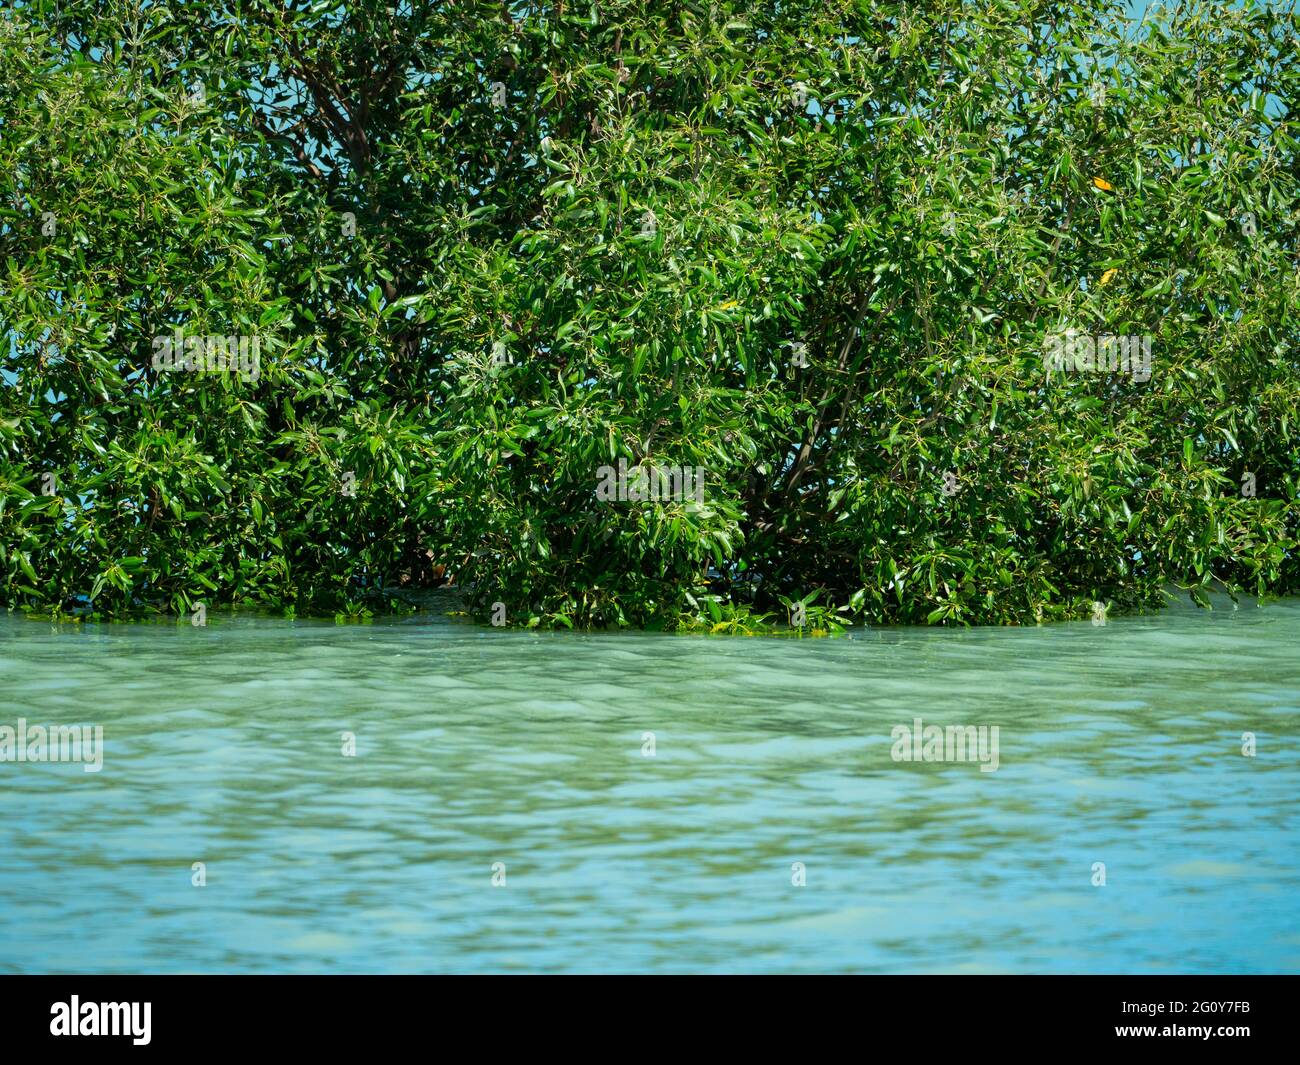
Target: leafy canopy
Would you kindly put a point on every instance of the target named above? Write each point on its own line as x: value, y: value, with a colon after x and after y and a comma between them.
x: 814, y: 248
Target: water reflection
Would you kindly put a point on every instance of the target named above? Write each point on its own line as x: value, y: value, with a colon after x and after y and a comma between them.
x: 1118, y: 744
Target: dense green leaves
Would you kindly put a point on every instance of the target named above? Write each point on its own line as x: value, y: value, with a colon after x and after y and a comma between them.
x: 816, y: 250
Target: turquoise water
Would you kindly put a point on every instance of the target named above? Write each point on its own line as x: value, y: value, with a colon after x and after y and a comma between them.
x: 1119, y: 744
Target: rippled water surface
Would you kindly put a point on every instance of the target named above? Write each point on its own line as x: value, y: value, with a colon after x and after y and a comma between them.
x: 1119, y: 744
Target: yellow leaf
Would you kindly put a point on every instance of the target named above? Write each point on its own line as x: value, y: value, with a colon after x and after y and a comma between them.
x: 729, y: 304
x: 1108, y: 275
x: 1103, y: 184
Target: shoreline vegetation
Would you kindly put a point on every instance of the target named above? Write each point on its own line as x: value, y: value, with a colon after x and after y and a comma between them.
x: 450, y: 603
x: 710, y: 317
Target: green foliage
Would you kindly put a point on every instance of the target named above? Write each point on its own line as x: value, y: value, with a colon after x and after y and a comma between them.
x: 647, y: 230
